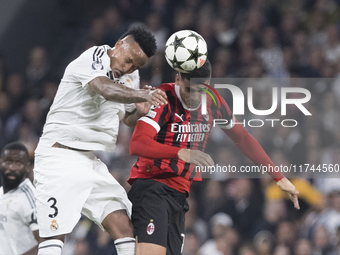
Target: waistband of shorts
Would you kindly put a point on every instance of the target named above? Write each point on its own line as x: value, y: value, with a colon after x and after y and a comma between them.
x: 53, y: 151
x: 154, y: 184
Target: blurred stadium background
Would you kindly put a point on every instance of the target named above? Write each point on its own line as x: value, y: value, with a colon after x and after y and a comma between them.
x: 246, y: 38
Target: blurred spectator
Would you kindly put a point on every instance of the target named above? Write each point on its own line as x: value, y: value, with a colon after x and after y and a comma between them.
x: 274, y: 212
x: 281, y: 250
x: 243, y: 210
x: 194, y: 223
x: 271, y: 53
x: 31, y: 116
x: 322, y: 241
x: 115, y: 26
x: 37, y: 69
x: 154, y: 24
x: 287, y: 234
x: 3, y: 72
x: 246, y: 249
x: 220, y: 223
x: 330, y: 218
x: 191, y: 243
x: 303, y: 247
x: 332, y: 46
x: 213, y: 197
x: 264, y: 243
x: 15, y: 89
x: 49, y: 91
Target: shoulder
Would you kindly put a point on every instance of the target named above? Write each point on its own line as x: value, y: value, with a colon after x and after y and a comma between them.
x: 167, y: 87
x: 134, y: 76
x: 95, y: 52
x: 27, y: 191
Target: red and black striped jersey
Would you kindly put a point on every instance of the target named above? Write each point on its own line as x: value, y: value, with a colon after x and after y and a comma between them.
x: 178, y: 126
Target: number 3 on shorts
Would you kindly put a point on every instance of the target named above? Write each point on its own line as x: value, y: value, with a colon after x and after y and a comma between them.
x: 54, y: 202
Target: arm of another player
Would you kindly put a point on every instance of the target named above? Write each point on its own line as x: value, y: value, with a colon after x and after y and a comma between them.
x: 130, y: 118
x: 254, y: 151
x: 143, y: 144
x: 116, y: 92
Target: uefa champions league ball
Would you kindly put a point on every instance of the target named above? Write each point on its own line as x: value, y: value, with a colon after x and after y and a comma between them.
x: 186, y: 51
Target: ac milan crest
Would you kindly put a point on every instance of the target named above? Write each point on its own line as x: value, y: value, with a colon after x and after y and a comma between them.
x: 150, y: 228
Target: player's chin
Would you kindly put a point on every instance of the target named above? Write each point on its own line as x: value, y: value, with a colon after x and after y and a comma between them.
x: 194, y: 104
x: 11, y: 179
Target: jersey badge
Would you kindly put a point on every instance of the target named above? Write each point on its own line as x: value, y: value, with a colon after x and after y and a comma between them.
x: 97, y: 65
x: 151, y: 114
x: 206, y: 117
x: 150, y: 228
x: 54, y: 225
x: 148, y: 169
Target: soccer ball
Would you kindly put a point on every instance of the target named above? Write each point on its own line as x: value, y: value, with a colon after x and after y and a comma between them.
x: 186, y: 51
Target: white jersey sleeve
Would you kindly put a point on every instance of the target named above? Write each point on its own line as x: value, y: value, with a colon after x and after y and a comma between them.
x: 18, y: 219
x: 92, y: 63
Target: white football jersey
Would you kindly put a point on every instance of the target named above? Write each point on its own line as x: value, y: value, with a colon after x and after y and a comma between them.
x: 79, y: 117
x: 17, y: 219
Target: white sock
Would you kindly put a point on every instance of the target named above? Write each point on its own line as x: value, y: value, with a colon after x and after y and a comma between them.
x: 125, y: 246
x: 50, y: 247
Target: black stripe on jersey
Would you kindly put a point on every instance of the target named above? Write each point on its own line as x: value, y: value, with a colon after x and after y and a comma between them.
x: 94, y: 54
x: 174, y: 161
x: 51, y: 245
x: 164, y: 129
x: 165, y: 110
x: 98, y: 53
x: 110, y: 75
x: 102, y: 52
x: 131, y: 241
x: 29, y: 196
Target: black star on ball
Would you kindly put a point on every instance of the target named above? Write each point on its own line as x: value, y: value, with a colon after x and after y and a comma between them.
x: 197, y: 37
x: 194, y: 54
x: 176, y: 63
x: 178, y: 42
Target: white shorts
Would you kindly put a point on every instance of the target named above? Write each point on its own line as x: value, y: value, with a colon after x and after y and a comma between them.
x: 69, y: 183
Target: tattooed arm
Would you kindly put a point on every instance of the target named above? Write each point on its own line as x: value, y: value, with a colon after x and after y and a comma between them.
x: 116, y: 92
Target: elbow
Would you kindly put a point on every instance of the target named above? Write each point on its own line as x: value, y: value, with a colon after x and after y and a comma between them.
x: 133, y: 148
x: 242, y: 139
x: 97, y: 84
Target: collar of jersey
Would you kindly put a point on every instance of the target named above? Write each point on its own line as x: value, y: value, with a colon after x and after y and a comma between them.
x: 180, y: 99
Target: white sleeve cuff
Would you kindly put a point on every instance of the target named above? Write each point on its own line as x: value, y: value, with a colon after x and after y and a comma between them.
x: 151, y: 122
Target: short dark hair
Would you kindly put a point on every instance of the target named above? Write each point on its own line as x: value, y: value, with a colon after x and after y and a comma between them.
x: 144, y: 38
x: 202, y: 72
x: 15, y: 146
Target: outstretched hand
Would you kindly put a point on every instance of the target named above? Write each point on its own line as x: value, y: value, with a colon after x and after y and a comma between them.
x: 285, y: 185
x: 199, y: 158
x: 157, y: 97
x: 144, y: 108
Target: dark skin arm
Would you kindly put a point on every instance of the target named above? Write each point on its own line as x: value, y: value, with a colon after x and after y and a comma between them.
x: 130, y: 118
x: 113, y: 91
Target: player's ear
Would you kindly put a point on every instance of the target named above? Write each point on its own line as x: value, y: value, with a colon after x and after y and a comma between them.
x: 118, y: 43
x: 28, y: 167
x: 177, y: 79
